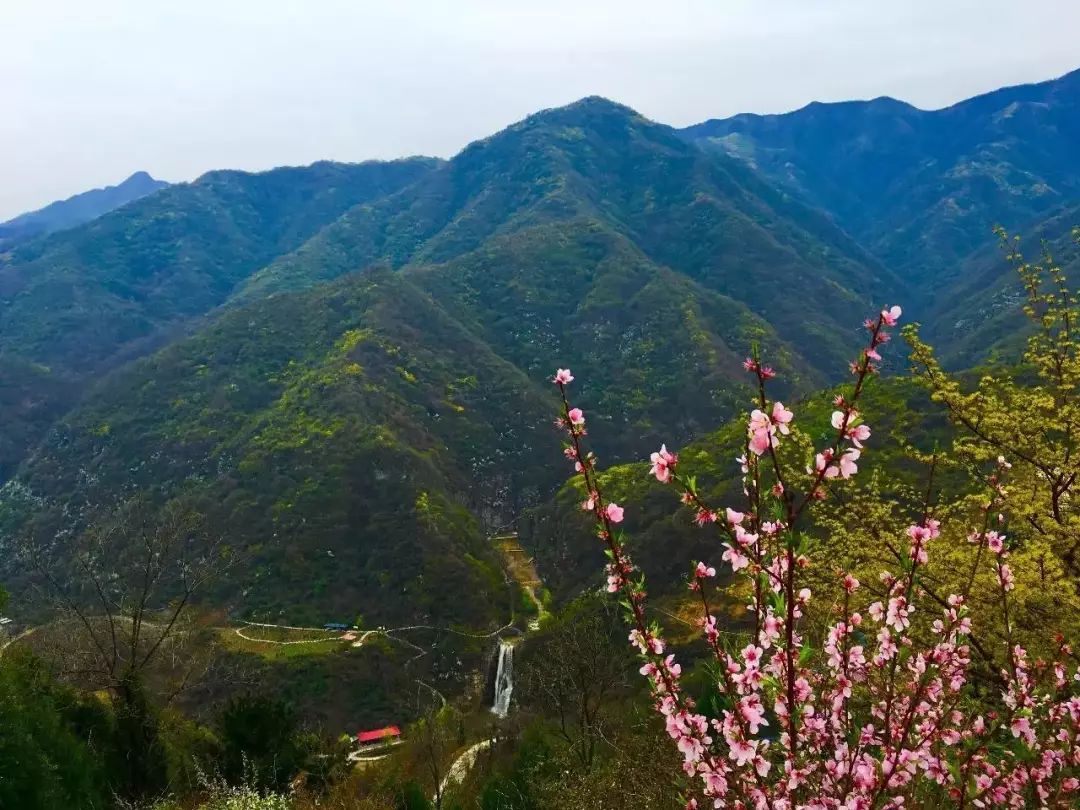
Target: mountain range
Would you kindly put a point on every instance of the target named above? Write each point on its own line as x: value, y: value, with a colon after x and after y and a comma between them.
x: 346, y: 365
x: 76, y: 210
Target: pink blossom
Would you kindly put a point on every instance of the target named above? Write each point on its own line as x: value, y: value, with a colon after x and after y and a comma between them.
x: 614, y: 512
x: 742, y: 751
x: 703, y: 570
x: 705, y: 516
x: 897, y: 614
x: 744, y: 538
x: 710, y: 629
x: 859, y: 434
x: 751, y: 655
x: 770, y: 630
x: 848, y: 467
x: 577, y: 416
x: 1005, y: 574
x: 761, y: 432
x: 760, y: 442
x: 662, y: 464
x: 844, y: 468
x: 891, y: 315
x: 753, y: 712
x: 737, y: 560
x: 563, y: 376
x: 876, y: 611
x: 1021, y: 727
x: 782, y: 417
x: 733, y: 517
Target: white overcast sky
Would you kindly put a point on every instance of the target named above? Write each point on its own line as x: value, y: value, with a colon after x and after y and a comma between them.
x: 92, y: 90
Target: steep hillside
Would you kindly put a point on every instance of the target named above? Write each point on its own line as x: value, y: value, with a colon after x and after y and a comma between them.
x: 346, y: 441
x: 705, y: 216
x: 921, y: 189
x: 76, y: 210
x: 980, y: 317
x: 655, y: 352
x: 89, y: 298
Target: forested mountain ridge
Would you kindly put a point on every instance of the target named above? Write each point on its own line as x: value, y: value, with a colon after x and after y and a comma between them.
x: 704, y: 216
x: 83, y: 300
x: 921, y: 189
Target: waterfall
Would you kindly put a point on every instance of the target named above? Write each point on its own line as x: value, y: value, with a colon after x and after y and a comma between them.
x: 504, y: 680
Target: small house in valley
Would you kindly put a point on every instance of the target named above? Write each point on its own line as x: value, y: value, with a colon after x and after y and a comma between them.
x: 378, y: 737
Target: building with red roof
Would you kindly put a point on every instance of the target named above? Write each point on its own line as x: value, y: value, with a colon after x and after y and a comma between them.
x: 379, y: 735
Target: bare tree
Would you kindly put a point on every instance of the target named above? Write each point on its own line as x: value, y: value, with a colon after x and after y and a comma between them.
x: 124, y: 589
x: 433, y: 739
x: 573, y: 670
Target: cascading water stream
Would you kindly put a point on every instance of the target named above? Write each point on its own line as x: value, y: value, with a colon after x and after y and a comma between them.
x: 504, y: 680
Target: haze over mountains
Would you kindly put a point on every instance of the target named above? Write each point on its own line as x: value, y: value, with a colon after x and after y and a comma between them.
x: 352, y: 358
x: 78, y: 209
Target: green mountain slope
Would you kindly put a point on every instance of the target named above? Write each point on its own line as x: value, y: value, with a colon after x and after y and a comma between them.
x: 981, y: 317
x: 88, y: 298
x: 388, y: 418
x: 654, y: 350
x: 703, y: 215
x: 346, y: 440
x: 921, y: 189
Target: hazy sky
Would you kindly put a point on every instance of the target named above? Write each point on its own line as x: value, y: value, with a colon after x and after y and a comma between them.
x: 92, y: 90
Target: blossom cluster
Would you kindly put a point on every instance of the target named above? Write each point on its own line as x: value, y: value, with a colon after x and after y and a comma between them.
x: 883, y: 713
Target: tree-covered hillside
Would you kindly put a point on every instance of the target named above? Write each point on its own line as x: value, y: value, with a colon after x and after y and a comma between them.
x: 94, y: 296
x: 705, y: 216
x: 336, y: 439
x: 585, y: 231
x: 921, y: 189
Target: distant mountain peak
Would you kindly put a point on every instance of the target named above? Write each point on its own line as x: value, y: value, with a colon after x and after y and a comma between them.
x: 77, y: 209
x: 140, y: 177
x: 582, y: 109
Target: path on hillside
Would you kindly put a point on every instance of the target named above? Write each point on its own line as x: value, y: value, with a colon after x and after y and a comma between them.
x: 522, y: 568
x: 359, y: 637
x: 19, y: 637
x: 462, y: 765
x: 239, y: 632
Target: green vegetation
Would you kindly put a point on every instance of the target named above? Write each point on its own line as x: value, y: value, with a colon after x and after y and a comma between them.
x: 46, y: 760
x: 921, y: 189
x: 344, y: 370
x: 90, y: 298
